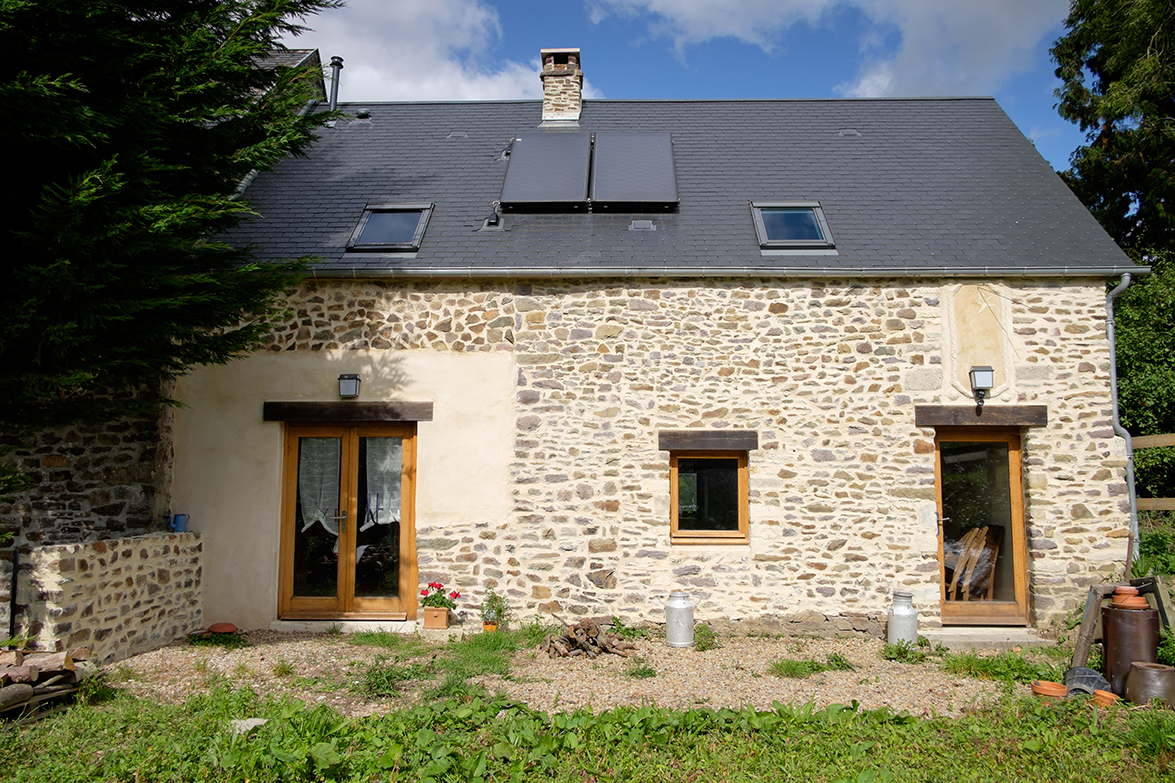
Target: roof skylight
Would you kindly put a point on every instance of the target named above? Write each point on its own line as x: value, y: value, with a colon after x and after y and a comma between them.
x: 391, y: 227
x: 791, y: 225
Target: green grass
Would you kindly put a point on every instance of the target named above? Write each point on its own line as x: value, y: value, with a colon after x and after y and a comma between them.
x: 480, y: 739
x: 796, y: 668
x: 1006, y: 666
x: 382, y: 679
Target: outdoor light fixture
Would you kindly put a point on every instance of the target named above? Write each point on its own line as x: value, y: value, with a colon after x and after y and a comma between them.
x: 982, y: 379
x: 349, y: 386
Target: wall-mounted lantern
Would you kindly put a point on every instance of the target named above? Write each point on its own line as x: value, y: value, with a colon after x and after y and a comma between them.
x: 982, y: 379
x: 349, y: 386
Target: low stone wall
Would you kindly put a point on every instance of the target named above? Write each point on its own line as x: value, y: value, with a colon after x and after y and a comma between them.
x: 118, y: 597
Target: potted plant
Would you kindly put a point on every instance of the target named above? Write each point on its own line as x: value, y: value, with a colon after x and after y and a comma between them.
x: 494, y: 611
x: 437, y: 604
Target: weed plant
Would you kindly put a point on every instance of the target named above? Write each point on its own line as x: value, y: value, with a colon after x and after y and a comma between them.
x: 639, y: 669
x: 1166, y: 650
x: 627, y: 632
x: 797, y: 668
x: 1006, y: 666
x: 227, y: 641
x: 480, y: 739
x: 283, y: 668
x: 904, y: 652
x: 706, y: 639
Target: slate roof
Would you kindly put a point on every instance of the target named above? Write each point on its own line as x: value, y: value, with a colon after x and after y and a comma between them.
x: 926, y: 187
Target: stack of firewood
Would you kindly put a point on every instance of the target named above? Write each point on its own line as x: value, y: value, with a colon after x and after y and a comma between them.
x: 29, y: 678
x: 586, y: 638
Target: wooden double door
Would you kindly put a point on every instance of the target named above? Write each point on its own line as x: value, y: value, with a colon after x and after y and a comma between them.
x: 348, y: 545
x: 982, y: 548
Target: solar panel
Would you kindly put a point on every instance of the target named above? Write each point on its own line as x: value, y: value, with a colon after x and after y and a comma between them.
x: 548, y: 172
x: 633, y: 172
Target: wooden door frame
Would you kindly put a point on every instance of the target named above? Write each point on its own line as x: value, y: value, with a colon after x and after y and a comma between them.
x: 343, y: 607
x: 987, y: 612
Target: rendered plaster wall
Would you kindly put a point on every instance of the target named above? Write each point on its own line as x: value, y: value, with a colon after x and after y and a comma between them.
x: 228, y: 464
x: 118, y: 597
x: 842, y: 487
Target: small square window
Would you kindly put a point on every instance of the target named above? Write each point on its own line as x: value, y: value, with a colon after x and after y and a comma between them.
x: 391, y: 227
x: 791, y: 224
x: 708, y: 502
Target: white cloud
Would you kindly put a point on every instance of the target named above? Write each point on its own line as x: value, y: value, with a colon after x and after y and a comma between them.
x: 418, y: 50
x: 954, y: 47
x: 948, y: 47
x: 758, y: 22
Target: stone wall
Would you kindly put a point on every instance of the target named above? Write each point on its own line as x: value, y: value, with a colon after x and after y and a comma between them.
x: 118, y: 597
x: 842, y: 488
x: 92, y: 482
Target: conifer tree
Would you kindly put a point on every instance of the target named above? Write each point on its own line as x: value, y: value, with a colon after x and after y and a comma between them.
x: 129, y: 127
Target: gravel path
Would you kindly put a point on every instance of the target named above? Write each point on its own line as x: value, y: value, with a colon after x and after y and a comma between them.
x: 323, y: 668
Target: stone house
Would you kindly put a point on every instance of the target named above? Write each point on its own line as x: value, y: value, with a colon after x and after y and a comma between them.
x: 606, y: 350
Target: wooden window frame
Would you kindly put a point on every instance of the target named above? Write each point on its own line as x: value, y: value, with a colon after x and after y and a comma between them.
x: 740, y: 536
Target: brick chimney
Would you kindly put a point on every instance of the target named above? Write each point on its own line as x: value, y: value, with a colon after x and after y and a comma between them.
x: 562, y: 85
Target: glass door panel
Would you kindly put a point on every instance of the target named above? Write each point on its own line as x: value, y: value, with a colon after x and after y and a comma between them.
x: 377, y: 537
x: 317, y: 515
x: 981, y: 529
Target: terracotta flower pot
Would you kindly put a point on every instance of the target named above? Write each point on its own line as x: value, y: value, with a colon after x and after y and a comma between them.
x: 1125, y: 590
x: 1044, y: 688
x: 489, y: 627
x: 222, y: 628
x: 1105, y: 698
x: 1130, y: 602
x: 436, y: 617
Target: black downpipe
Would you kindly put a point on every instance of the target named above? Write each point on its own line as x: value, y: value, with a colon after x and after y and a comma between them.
x: 12, y: 596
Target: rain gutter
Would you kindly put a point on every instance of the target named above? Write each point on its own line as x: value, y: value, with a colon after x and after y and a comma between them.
x: 1118, y: 428
x: 775, y: 272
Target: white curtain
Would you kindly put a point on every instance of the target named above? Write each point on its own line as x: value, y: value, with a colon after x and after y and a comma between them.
x: 384, y: 457
x: 318, y: 482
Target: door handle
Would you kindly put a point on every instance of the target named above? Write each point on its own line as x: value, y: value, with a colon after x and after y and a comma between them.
x: 341, y: 518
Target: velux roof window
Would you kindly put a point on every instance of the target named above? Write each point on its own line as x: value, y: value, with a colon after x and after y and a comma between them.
x: 791, y: 225
x: 390, y: 227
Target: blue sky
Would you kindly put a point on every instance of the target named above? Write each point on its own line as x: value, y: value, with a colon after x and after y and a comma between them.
x: 682, y: 49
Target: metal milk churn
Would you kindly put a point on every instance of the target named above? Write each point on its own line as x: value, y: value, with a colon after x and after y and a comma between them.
x: 903, y: 619
x: 679, y: 621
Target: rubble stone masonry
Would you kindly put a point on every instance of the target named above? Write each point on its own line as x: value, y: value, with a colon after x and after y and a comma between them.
x: 117, y: 597
x: 842, y: 486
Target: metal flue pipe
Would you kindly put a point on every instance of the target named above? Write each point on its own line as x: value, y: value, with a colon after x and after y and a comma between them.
x: 336, y: 65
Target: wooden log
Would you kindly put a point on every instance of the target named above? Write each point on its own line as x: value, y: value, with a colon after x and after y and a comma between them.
x: 83, y: 670
x: 11, y: 695
x: 11, y: 657
x: 24, y: 673
x: 51, y: 663
x: 61, y: 682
